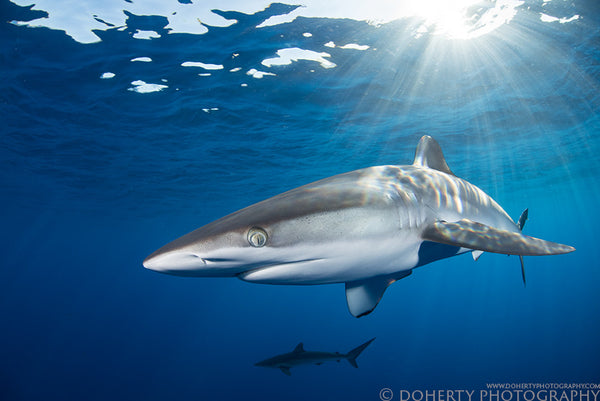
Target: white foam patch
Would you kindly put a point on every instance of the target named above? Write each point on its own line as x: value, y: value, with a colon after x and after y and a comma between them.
x: 142, y: 59
x: 329, y: 44
x: 202, y: 65
x: 284, y: 19
x: 236, y: 69
x: 549, y: 18
x: 145, y: 34
x: 107, y: 75
x: 205, y: 74
x: 140, y: 86
x: 307, y: 34
x: 258, y: 74
x: 78, y: 18
x: 354, y: 46
x: 289, y: 55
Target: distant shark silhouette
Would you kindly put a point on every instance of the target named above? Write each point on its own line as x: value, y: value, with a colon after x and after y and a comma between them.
x: 301, y: 357
x: 367, y: 228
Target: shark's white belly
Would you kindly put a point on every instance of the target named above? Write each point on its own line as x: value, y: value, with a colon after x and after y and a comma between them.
x: 345, y: 261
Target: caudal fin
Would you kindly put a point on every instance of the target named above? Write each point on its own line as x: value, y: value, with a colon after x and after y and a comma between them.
x: 352, y: 355
x: 521, y: 224
x: 523, y: 271
x: 522, y: 219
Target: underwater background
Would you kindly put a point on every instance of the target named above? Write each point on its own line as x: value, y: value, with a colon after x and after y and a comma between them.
x: 126, y: 124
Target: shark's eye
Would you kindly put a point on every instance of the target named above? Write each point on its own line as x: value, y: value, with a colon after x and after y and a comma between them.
x: 257, y: 237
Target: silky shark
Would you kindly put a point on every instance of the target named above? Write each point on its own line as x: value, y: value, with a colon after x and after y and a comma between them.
x: 301, y: 357
x: 366, y: 228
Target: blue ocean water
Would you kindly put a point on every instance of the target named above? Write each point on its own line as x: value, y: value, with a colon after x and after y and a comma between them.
x: 98, y: 171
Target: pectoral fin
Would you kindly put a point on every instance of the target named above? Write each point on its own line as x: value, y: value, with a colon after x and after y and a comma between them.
x: 285, y: 370
x: 470, y: 234
x: 364, y: 295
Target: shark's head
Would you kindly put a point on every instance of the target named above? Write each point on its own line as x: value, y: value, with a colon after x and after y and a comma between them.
x: 231, y: 245
x: 300, y: 227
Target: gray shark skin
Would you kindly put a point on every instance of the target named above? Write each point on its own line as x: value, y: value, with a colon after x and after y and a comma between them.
x: 299, y: 356
x: 366, y: 228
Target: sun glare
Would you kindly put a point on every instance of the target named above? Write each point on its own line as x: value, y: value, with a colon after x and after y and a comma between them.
x: 463, y: 19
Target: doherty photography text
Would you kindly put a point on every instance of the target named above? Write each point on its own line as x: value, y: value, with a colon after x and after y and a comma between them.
x: 501, y: 392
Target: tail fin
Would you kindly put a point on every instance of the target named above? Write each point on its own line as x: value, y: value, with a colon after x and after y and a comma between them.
x: 523, y: 271
x: 521, y: 224
x: 352, y: 355
x: 523, y: 219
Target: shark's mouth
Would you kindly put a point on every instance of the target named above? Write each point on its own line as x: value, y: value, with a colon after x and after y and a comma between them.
x: 250, y: 267
x: 280, y: 272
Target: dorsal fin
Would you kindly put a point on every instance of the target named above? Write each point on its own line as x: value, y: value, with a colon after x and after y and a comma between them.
x: 429, y: 154
x: 299, y: 348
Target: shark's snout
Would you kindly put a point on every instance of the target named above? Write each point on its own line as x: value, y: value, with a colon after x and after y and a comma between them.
x: 177, y: 261
x: 194, y: 263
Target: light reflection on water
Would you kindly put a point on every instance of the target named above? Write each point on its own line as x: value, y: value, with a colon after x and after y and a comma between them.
x: 462, y: 19
x: 369, y: 89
